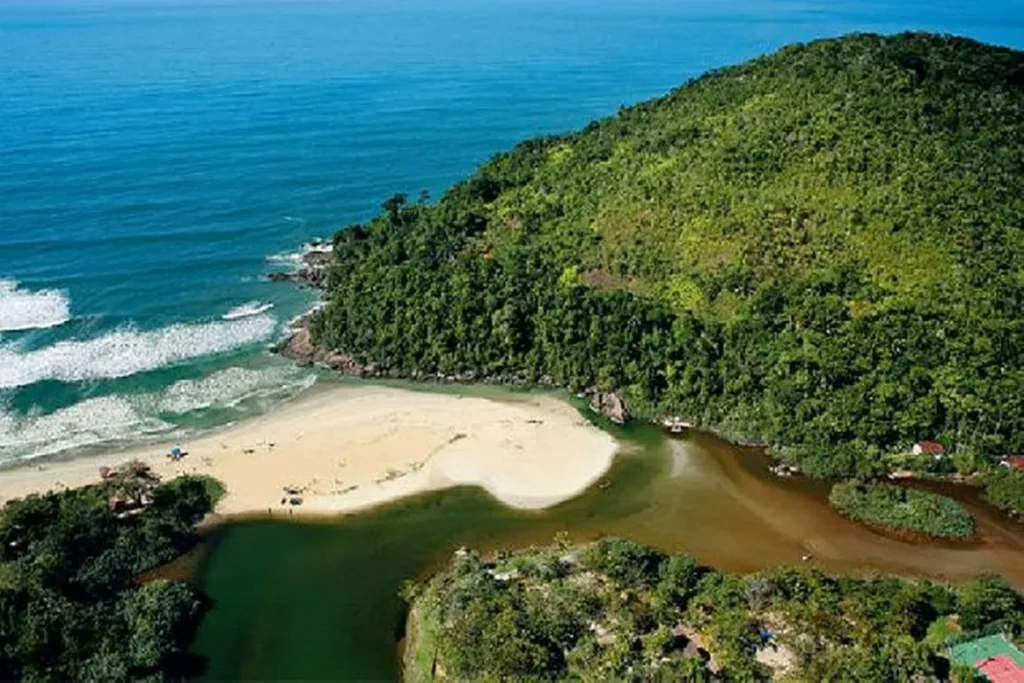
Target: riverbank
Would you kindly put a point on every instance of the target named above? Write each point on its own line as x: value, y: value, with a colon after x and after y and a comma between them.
x: 345, y: 448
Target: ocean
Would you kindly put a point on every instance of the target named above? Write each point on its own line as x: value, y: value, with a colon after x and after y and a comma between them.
x: 161, y: 157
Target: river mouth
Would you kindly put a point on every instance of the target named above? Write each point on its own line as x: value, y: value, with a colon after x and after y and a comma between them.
x: 320, y: 599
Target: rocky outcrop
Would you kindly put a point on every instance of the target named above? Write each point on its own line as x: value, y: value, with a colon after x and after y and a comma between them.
x: 610, y: 404
x: 315, y: 266
x: 299, y: 347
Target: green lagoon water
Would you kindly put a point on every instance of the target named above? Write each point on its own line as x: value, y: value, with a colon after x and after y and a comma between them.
x: 321, y: 600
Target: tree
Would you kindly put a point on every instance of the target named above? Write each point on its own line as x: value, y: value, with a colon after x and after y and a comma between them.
x: 987, y: 599
x: 679, y: 577
x: 160, y: 617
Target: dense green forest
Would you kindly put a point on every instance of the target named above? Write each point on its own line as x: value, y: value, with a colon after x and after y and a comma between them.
x: 822, y: 248
x: 617, y: 610
x: 71, y: 604
x: 1004, y: 488
x: 902, y: 509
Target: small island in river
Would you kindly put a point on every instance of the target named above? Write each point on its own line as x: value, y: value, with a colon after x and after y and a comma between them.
x: 903, y: 511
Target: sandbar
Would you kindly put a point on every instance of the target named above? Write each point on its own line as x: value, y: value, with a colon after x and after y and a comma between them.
x: 344, y: 448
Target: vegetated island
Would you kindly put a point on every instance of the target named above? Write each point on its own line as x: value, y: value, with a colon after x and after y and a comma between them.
x: 819, y: 250
x: 617, y: 610
x: 71, y: 603
x: 902, y: 511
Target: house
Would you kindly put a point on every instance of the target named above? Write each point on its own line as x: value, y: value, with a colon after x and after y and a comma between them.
x: 995, y: 657
x: 1014, y: 462
x: 1001, y: 669
x: 929, y: 448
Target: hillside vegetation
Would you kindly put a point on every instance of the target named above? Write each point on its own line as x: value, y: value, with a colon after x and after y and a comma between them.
x: 822, y: 248
x: 620, y: 611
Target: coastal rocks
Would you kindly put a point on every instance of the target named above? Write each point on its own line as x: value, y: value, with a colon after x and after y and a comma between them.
x: 299, y: 347
x: 610, y: 404
x: 315, y: 265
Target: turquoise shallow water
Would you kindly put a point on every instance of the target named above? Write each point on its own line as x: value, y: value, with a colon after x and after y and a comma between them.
x: 159, y: 157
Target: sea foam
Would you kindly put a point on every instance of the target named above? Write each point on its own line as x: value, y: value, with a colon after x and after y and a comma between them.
x: 123, y: 418
x: 26, y: 310
x: 296, y: 258
x: 91, y: 422
x: 231, y: 386
x: 247, y: 310
x: 126, y: 352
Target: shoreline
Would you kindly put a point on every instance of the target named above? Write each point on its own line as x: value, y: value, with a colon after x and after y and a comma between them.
x: 340, y: 449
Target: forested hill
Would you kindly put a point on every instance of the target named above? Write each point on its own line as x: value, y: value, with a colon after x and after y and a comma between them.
x: 822, y: 248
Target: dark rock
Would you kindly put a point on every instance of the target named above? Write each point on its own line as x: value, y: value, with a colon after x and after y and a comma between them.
x: 610, y: 404
x: 316, y: 265
x: 299, y: 347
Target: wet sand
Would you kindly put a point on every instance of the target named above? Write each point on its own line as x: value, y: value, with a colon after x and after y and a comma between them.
x: 346, y: 448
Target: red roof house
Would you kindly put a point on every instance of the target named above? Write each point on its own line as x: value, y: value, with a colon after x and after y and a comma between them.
x: 1001, y: 669
x: 993, y: 656
x: 929, y: 448
x: 1014, y: 462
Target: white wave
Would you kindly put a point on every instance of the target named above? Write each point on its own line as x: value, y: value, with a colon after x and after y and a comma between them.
x: 319, y: 247
x: 295, y: 258
x: 287, y: 257
x: 27, y: 310
x: 229, y: 387
x: 246, y: 310
x: 140, y: 417
x: 128, y: 351
x: 91, y: 422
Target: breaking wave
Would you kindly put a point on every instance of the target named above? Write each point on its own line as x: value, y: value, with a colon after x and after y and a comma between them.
x: 288, y: 258
x: 26, y: 310
x: 229, y: 387
x: 139, y: 417
x: 247, y: 310
x: 295, y: 258
x: 91, y: 422
x: 128, y: 351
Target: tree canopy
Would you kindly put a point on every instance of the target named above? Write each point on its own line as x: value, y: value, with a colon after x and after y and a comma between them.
x: 902, y: 509
x: 617, y: 610
x: 71, y: 605
x: 822, y: 248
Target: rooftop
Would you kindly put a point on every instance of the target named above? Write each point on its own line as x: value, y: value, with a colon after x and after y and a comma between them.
x: 931, y: 447
x: 994, y: 656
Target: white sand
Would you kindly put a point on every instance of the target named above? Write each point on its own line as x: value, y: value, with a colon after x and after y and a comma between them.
x: 348, y: 448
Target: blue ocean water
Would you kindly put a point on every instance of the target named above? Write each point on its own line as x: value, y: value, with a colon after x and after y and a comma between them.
x: 160, y: 157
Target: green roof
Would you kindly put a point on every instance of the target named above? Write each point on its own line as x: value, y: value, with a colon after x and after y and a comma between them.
x: 974, y: 651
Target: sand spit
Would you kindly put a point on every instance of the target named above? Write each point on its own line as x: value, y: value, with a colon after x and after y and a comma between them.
x: 345, y: 448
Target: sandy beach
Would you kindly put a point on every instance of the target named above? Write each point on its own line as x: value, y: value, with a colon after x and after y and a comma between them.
x: 346, y: 448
